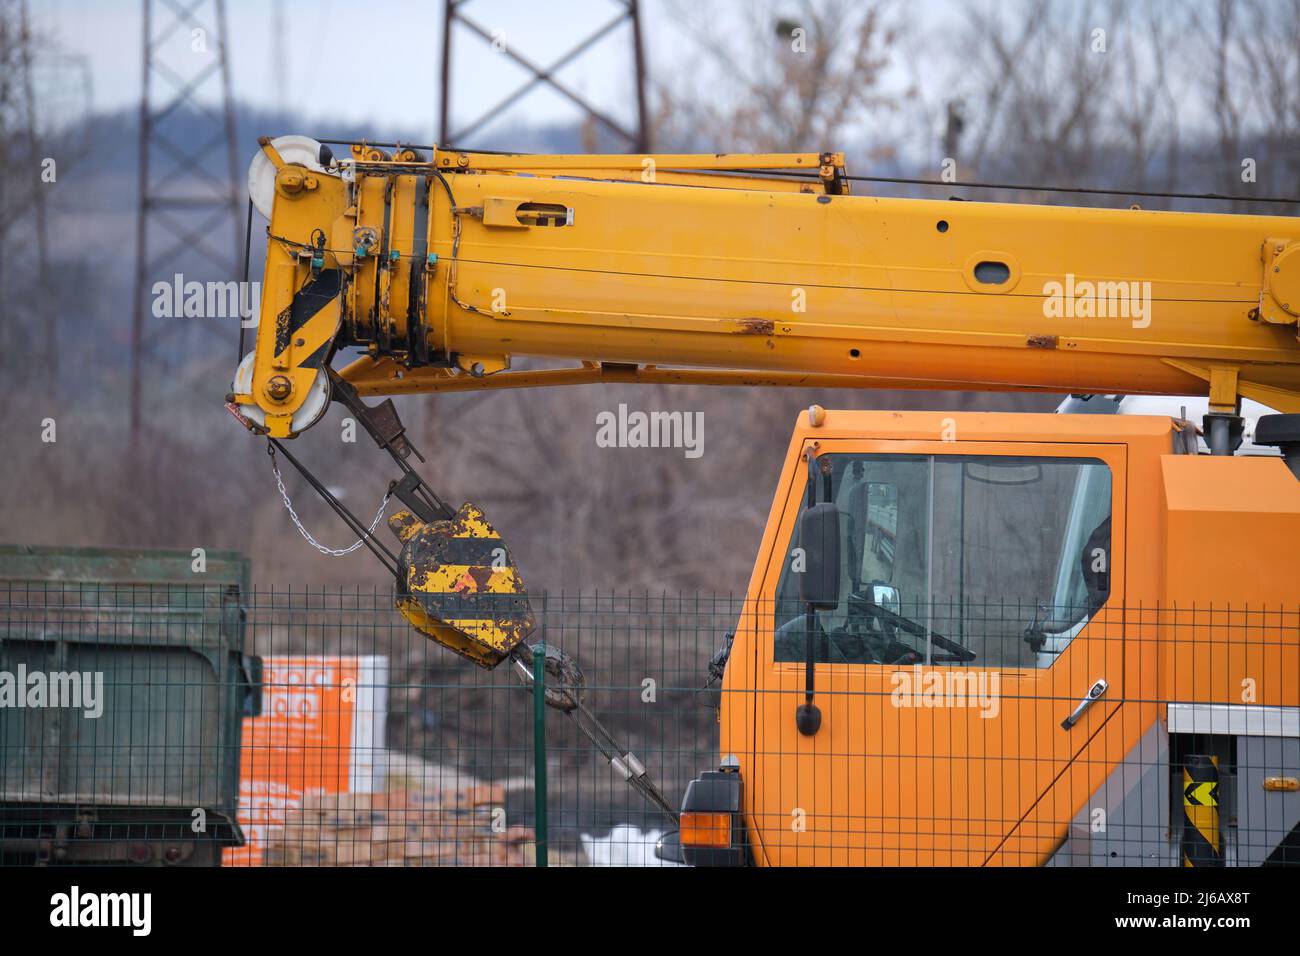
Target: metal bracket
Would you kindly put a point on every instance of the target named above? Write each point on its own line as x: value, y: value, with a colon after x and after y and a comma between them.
x: 406, y: 490
x: 386, y: 428
x: 381, y: 421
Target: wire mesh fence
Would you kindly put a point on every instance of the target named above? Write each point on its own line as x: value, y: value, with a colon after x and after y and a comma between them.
x: 373, y: 745
x: 167, y: 723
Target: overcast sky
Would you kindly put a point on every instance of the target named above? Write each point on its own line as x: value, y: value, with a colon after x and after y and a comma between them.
x: 377, y: 63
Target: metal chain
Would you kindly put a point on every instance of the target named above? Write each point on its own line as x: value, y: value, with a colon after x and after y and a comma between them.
x: 336, y: 552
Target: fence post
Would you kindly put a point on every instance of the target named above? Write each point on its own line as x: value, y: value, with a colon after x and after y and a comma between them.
x: 539, y: 749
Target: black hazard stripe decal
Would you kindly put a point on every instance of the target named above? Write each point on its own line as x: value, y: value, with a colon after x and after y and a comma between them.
x: 317, y: 358
x: 1197, y: 848
x: 318, y: 292
x: 473, y: 552
x: 502, y: 609
x: 1201, y: 815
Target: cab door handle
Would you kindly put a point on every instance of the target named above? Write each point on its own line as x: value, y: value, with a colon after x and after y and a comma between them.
x: 1094, y: 694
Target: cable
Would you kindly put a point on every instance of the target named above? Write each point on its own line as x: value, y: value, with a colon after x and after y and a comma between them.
x: 453, y: 269
x: 445, y: 149
x: 622, y: 759
x: 367, y: 142
x: 900, y: 180
x: 896, y: 180
x: 1220, y: 197
x: 1021, y: 187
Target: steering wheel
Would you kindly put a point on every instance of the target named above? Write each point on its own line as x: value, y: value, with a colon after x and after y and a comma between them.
x: 891, y: 624
x: 849, y: 645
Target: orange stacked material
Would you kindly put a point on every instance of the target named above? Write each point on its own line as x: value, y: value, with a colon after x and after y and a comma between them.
x: 461, y: 827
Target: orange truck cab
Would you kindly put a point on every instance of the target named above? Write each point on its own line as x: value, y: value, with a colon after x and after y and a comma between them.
x: 1010, y: 639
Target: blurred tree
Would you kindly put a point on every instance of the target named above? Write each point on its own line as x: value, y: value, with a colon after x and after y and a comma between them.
x: 1068, y: 93
x: 1250, y: 84
x: 1177, y: 95
x: 772, y: 78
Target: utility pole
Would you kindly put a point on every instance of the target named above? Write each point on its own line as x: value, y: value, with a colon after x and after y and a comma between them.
x: 496, y: 43
x: 26, y: 297
x: 189, y: 211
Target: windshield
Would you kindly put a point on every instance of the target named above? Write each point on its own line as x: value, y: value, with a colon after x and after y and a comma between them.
x: 956, y: 559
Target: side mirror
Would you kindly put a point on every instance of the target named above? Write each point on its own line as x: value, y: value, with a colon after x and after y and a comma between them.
x: 886, y: 596
x: 819, y: 537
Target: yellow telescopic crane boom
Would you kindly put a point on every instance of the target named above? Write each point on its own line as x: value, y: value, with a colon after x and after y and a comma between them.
x: 722, y: 269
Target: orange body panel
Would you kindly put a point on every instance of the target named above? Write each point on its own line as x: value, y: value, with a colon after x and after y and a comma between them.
x: 1231, y: 528
x: 888, y: 785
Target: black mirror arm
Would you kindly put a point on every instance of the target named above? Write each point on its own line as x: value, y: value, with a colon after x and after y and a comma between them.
x: 808, y: 716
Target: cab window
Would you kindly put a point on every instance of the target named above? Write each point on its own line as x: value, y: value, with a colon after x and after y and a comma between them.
x: 957, y: 560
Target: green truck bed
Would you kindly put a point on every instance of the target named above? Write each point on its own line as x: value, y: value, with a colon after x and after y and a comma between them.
x: 123, y: 684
